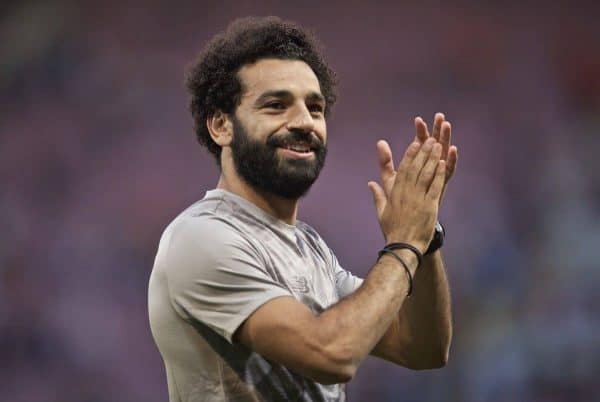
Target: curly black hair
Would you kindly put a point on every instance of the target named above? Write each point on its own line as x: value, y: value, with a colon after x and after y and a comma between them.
x: 212, y: 79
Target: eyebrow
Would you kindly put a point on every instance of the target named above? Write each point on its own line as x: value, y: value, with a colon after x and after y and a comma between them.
x: 282, y: 93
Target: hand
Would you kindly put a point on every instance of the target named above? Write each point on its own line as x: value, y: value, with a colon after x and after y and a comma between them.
x: 407, y: 205
x: 442, y: 132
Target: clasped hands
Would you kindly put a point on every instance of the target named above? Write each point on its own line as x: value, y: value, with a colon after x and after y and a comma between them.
x: 408, y: 199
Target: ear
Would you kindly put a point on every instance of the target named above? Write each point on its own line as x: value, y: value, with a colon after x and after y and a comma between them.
x: 220, y: 128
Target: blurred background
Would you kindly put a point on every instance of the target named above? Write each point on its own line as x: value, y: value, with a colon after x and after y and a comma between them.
x: 97, y: 155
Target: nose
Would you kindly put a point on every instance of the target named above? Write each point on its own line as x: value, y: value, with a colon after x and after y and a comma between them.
x: 301, y: 120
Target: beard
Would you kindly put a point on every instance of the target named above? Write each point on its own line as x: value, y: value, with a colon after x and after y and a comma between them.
x: 259, y: 165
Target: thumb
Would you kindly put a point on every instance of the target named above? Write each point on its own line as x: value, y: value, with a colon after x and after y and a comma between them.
x: 379, y: 198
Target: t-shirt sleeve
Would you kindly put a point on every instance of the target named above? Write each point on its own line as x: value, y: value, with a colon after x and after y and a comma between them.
x: 216, y: 276
x: 345, y: 282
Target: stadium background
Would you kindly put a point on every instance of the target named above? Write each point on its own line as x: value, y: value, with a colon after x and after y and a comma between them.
x: 97, y: 155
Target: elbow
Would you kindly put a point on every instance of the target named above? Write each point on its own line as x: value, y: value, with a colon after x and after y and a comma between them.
x: 436, y: 363
x: 337, y: 375
x: 338, y: 366
x: 430, y: 356
x: 444, y: 360
x: 337, y: 369
x: 429, y: 362
x: 346, y: 374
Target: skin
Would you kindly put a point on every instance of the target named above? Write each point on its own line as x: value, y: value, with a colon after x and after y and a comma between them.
x: 378, y: 318
x: 264, y: 117
x: 424, y: 322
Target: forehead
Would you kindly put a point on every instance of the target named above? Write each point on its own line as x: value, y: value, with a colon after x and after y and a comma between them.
x: 274, y: 74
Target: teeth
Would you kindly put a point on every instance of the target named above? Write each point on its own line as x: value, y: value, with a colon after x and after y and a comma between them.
x: 298, y: 148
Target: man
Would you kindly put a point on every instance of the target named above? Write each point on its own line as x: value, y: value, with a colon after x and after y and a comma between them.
x: 246, y: 302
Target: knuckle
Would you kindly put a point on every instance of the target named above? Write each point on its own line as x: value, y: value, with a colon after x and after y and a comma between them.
x: 426, y: 174
x: 417, y: 159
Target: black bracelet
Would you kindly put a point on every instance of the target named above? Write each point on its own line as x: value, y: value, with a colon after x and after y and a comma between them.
x: 397, y: 246
x: 396, y: 256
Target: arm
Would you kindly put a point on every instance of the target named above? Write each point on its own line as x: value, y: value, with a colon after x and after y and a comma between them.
x: 419, y: 337
x: 330, y: 346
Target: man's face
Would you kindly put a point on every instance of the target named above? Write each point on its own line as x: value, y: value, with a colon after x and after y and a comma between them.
x: 279, y: 131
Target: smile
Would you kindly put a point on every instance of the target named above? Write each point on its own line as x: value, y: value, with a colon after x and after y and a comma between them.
x: 297, y: 151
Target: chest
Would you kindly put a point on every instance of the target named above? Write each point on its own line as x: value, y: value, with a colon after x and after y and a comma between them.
x: 302, y: 267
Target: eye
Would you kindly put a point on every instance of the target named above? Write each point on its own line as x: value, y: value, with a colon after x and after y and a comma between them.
x: 277, y: 105
x: 315, y: 108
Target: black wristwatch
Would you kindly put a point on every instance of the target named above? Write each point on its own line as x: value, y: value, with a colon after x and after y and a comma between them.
x: 438, y: 239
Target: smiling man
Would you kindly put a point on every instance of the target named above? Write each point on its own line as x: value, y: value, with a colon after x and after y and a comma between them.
x: 246, y: 302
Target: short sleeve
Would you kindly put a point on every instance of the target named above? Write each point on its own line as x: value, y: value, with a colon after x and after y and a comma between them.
x: 216, y: 275
x: 345, y: 282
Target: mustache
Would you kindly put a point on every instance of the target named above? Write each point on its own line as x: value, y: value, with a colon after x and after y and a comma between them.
x: 295, y: 137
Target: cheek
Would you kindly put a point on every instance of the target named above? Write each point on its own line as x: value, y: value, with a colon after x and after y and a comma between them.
x: 265, y: 126
x: 321, y: 131
x: 254, y: 128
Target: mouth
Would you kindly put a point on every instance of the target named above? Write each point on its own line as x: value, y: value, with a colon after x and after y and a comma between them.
x: 301, y: 148
x: 297, y: 150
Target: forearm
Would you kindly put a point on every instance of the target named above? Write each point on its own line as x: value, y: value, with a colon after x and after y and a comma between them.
x: 425, y: 317
x: 354, y: 325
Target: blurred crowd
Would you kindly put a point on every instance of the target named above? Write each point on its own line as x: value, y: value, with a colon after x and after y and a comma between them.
x: 97, y: 155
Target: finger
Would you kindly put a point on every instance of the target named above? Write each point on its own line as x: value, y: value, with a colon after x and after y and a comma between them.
x: 379, y: 198
x: 437, y: 185
x: 421, y: 130
x: 438, y: 119
x: 428, y: 171
x: 386, y: 161
x: 417, y: 163
x: 451, y: 161
x: 410, y: 154
x: 445, y: 137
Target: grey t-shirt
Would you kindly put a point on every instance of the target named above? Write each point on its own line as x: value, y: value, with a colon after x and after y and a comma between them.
x: 217, y: 262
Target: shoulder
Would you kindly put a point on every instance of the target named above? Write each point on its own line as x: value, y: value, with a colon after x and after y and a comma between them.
x: 209, y: 220
x: 207, y: 235
x: 207, y: 249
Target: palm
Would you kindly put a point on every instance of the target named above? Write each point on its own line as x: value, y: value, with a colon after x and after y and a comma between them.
x: 441, y: 132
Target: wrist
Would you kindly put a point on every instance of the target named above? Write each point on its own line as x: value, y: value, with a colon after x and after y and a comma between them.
x: 438, y: 239
x: 408, y: 256
x: 400, y: 261
x: 419, y: 245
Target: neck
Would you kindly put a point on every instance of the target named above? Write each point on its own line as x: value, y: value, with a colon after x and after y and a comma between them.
x: 281, y: 208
